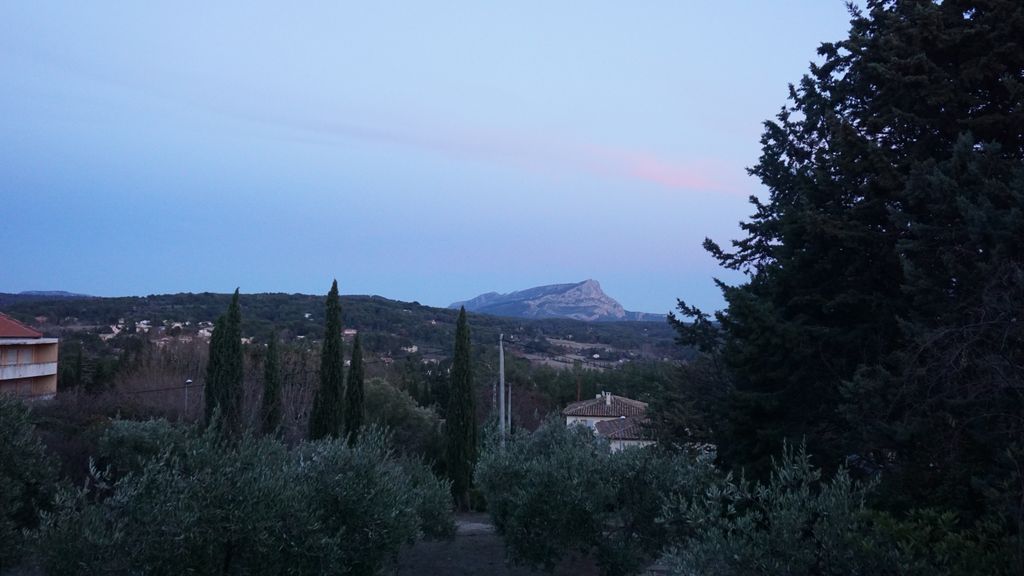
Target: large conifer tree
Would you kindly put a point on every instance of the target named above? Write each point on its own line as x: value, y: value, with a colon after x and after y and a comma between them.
x: 234, y: 369
x: 877, y: 321
x: 224, y: 369
x: 460, y: 426
x: 326, y: 416
x: 354, y: 410
x: 270, y: 406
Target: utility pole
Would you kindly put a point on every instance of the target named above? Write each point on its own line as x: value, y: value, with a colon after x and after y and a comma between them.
x: 509, y: 408
x: 501, y: 388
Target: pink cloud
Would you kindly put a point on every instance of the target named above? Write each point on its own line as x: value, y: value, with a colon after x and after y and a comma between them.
x: 645, y: 167
x: 545, y: 155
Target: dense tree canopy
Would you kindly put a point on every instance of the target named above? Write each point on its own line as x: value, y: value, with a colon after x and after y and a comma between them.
x: 879, y: 319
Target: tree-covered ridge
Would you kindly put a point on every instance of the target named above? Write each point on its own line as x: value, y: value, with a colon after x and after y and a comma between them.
x: 385, y: 324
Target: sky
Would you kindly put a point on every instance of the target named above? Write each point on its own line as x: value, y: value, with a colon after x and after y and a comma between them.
x: 422, y: 151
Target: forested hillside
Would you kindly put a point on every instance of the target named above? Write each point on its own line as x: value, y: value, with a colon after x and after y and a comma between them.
x: 390, y: 324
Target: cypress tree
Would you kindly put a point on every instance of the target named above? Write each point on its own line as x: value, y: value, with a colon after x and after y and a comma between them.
x: 234, y: 370
x: 460, y: 428
x: 354, y: 410
x: 325, y: 418
x: 270, y: 408
x: 224, y: 370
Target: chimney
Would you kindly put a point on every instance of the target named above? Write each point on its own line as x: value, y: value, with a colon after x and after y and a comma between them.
x: 607, y: 398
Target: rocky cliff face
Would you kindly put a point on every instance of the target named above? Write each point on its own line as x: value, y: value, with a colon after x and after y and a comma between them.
x: 580, y: 301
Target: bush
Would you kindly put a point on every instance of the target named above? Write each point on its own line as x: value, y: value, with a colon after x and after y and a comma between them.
x: 414, y: 430
x: 798, y: 524
x: 127, y: 445
x: 209, y: 506
x: 561, y: 490
x: 27, y: 478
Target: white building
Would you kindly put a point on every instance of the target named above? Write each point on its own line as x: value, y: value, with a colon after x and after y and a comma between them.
x: 28, y: 362
x: 622, y: 421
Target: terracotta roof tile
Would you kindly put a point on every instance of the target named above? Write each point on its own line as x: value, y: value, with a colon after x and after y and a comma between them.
x: 623, y: 429
x: 11, y: 328
x: 618, y: 406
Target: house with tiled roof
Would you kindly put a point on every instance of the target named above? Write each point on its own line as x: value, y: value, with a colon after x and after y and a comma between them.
x: 28, y: 362
x: 620, y: 420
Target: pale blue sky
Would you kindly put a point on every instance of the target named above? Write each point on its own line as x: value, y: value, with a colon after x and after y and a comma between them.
x: 423, y: 151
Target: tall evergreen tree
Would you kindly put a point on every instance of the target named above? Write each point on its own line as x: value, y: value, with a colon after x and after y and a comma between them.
x: 876, y: 320
x: 460, y: 426
x: 270, y: 407
x: 354, y: 410
x: 325, y: 418
x: 234, y: 370
x: 225, y: 370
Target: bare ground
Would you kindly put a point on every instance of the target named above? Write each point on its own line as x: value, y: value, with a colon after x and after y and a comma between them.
x: 476, y: 549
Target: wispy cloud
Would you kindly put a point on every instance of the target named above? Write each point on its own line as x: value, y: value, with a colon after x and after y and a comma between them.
x: 642, y: 166
x: 535, y: 153
x: 551, y: 154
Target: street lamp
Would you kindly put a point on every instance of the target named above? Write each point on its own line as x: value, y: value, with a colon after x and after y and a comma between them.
x: 187, y: 384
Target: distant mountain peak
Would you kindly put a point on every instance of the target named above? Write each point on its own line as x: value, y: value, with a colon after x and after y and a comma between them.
x: 578, y: 300
x: 52, y: 294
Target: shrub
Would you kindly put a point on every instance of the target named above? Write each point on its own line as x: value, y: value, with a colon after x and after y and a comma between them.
x: 560, y: 490
x: 213, y: 506
x: 27, y: 478
x: 128, y: 445
x: 414, y: 430
x: 798, y: 524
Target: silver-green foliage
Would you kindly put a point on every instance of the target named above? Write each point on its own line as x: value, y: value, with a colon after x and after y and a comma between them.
x: 560, y: 490
x: 27, y: 475
x: 252, y: 506
x: 788, y: 526
x: 799, y: 524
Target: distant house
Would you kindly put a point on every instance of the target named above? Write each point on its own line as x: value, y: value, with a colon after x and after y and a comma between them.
x: 620, y: 420
x: 28, y: 362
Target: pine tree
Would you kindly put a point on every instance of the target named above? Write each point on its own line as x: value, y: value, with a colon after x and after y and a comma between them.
x: 460, y: 427
x: 877, y: 320
x: 270, y: 407
x: 325, y: 418
x: 354, y: 410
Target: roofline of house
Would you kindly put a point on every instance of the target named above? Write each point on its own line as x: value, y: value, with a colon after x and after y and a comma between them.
x: 16, y: 341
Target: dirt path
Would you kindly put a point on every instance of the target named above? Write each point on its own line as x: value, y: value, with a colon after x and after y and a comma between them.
x: 476, y: 549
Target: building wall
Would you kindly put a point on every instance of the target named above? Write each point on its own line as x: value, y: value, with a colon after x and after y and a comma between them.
x: 617, y: 445
x: 28, y: 367
x: 588, y: 421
